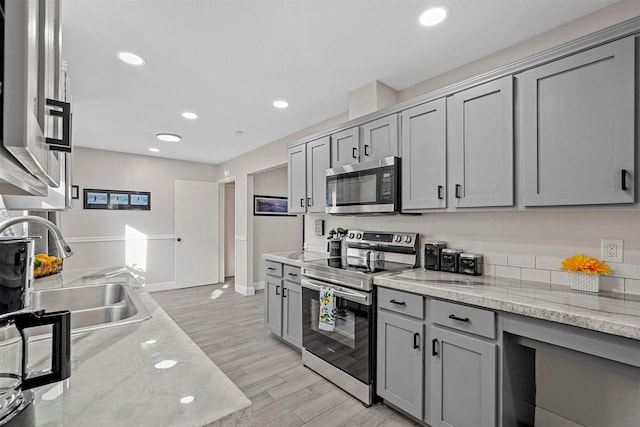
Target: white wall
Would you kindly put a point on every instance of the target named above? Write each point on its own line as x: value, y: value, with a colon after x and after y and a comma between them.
x: 141, y: 239
x: 241, y: 169
x: 273, y: 233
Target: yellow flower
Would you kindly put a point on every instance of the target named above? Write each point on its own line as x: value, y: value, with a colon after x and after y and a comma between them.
x: 585, y: 264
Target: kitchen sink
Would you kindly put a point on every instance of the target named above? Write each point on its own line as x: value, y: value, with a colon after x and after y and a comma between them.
x: 92, y: 307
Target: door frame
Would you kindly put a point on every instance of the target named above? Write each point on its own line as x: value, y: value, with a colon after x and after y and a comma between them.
x: 221, y: 219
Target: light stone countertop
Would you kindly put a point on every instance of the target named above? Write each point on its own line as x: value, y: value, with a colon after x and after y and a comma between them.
x: 294, y: 258
x: 609, y: 312
x: 114, y: 381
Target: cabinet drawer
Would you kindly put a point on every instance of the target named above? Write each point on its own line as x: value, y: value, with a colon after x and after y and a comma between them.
x: 469, y: 319
x: 401, y: 302
x: 273, y: 268
x: 292, y: 273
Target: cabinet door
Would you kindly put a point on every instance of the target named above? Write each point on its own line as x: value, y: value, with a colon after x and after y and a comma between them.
x: 578, y: 118
x: 400, y: 362
x: 345, y: 147
x: 463, y: 380
x: 318, y: 159
x: 380, y: 138
x: 481, y: 145
x: 23, y: 131
x: 273, y: 305
x: 296, y: 178
x: 424, y: 156
x: 292, y: 313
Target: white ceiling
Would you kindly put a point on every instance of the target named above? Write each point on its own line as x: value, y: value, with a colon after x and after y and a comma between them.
x: 228, y: 60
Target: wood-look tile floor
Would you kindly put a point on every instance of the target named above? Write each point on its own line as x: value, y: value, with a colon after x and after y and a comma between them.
x: 229, y: 328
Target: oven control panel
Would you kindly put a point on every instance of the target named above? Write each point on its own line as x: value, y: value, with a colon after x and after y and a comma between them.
x: 382, y: 238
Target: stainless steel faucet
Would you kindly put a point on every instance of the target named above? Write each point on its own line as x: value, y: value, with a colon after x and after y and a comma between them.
x: 63, y: 248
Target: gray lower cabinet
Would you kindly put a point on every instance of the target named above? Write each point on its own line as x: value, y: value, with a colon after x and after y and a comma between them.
x: 400, y: 362
x: 577, y: 131
x: 463, y: 380
x: 273, y: 305
x: 481, y: 145
x: 283, y: 302
x: 424, y: 156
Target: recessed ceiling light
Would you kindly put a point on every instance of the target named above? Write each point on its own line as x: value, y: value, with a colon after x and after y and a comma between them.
x: 280, y: 104
x: 169, y: 137
x: 131, y: 58
x: 187, y: 399
x: 433, y: 16
x: 189, y: 115
x: 154, y: 150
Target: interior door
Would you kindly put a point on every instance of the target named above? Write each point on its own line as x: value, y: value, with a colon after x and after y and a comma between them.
x: 196, y: 227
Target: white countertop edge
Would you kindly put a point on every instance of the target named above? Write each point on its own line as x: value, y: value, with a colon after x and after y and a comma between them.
x: 595, y: 320
x: 295, y: 258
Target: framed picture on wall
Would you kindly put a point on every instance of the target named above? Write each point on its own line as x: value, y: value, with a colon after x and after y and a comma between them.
x: 117, y: 199
x: 270, y: 206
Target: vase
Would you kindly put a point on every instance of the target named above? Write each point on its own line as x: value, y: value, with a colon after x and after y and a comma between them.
x: 585, y: 282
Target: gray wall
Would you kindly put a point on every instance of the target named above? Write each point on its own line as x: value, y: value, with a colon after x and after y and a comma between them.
x: 277, y: 233
x: 103, y: 238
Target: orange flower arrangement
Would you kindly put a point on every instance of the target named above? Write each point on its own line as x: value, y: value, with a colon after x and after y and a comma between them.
x: 585, y: 264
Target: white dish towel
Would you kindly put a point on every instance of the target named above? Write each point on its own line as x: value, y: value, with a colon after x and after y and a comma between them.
x: 327, y: 321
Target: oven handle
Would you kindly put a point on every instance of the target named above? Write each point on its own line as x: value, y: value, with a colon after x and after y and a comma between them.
x: 357, y: 297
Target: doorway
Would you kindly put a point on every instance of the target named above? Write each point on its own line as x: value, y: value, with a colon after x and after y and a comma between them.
x: 229, y: 267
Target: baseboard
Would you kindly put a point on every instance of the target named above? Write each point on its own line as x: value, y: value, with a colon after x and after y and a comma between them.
x: 162, y: 286
x: 245, y: 290
x: 546, y: 418
x: 258, y: 285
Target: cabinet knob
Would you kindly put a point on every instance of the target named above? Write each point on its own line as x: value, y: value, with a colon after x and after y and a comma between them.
x: 302, y: 203
x: 308, y: 201
x: 440, y: 188
x: 457, y: 191
x: 354, y: 153
x: 179, y: 239
x: 416, y: 340
x: 434, y: 347
x: 277, y: 290
x: 393, y: 301
x: 366, y: 153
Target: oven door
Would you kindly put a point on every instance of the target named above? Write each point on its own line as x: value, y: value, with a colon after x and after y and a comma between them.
x: 350, y: 345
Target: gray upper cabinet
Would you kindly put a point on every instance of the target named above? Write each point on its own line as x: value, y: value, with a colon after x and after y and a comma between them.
x: 318, y: 161
x: 345, y: 147
x: 481, y: 145
x: 424, y: 156
x: 296, y: 178
x: 400, y: 362
x: 463, y: 380
x: 306, y: 176
x: 577, y: 133
x: 380, y: 138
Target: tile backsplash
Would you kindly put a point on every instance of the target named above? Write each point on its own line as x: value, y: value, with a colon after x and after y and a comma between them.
x: 546, y: 269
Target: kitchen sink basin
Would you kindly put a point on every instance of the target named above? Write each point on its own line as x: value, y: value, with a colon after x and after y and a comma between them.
x: 92, y: 307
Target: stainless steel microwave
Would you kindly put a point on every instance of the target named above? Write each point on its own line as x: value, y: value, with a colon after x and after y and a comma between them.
x: 368, y: 187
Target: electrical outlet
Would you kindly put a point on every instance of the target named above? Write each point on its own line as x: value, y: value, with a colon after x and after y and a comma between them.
x: 611, y: 250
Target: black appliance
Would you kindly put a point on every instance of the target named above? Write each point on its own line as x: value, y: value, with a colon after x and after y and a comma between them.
x: 346, y: 355
x: 16, y: 280
x: 368, y: 187
x: 432, y: 252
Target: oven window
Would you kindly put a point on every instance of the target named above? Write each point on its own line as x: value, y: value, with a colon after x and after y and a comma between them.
x: 345, y: 328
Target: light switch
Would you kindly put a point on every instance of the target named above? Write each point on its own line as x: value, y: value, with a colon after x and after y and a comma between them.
x: 319, y: 227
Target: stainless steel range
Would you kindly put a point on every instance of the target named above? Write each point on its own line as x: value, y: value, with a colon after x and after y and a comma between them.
x: 346, y: 355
